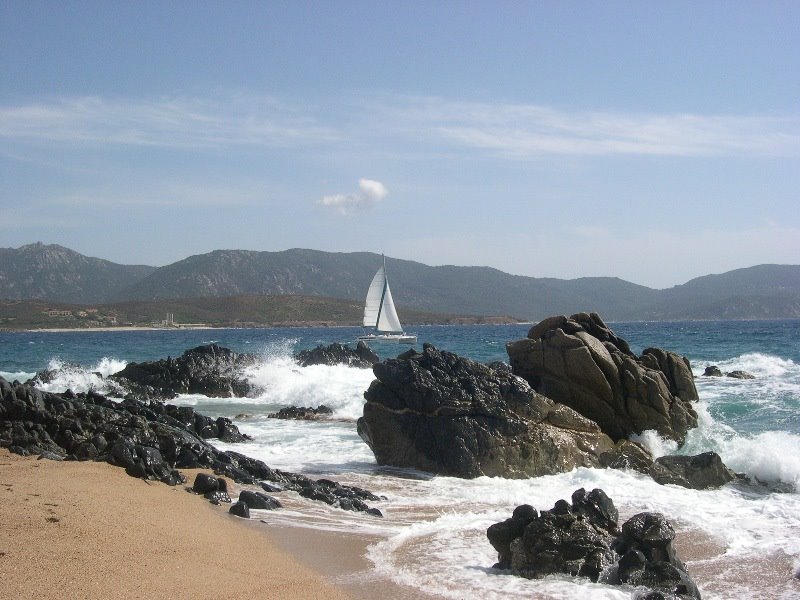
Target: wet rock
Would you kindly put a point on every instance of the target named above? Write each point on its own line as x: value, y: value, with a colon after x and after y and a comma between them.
x: 240, y: 509
x: 439, y: 412
x: 302, y: 413
x: 740, y: 375
x: 148, y: 440
x: 338, y: 354
x: 712, y: 371
x: 210, y: 370
x: 258, y: 500
x: 701, y: 472
x: 583, y: 539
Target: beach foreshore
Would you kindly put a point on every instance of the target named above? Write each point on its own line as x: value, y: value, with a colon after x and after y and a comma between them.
x: 88, y: 530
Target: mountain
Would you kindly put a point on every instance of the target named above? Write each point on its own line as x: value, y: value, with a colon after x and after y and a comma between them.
x: 56, y: 273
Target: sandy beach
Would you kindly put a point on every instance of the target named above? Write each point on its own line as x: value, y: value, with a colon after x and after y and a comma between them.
x: 87, y: 530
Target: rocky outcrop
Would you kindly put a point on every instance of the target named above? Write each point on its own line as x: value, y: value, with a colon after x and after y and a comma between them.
x: 579, y: 362
x: 338, y: 354
x: 210, y: 370
x: 583, y: 539
x: 150, y: 441
x: 443, y: 413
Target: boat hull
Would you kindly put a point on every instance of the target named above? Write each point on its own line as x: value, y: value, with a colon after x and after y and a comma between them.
x: 401, y: 338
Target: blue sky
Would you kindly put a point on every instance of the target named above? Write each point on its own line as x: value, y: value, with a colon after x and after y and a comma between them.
x: 650, y: 141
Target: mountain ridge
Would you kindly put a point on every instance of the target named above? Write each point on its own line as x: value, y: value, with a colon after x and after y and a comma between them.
x: 55, y: 273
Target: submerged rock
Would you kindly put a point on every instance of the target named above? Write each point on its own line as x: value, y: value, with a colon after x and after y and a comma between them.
x: 302, y: 413
x: 338, y: 354
x: 443, y: 413
x: 579, y: 362
x: 582, y: 538
x: 701, y: 472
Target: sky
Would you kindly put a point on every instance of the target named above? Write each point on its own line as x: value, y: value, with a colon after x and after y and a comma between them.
x: 651, y: 141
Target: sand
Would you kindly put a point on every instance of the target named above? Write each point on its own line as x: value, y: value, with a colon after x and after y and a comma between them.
x: 88, y: 530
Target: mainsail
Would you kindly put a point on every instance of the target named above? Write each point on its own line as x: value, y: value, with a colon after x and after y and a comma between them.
x: 379, y: 310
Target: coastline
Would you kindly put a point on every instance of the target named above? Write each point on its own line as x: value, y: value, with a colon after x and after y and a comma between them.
x: 88, y: 530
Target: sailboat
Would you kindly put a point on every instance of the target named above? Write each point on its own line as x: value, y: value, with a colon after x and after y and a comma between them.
x: 380, y: 315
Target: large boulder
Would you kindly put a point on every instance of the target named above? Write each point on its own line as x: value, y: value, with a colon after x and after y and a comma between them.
x: 582, y: 538
x: 579, y: 362
x: 338, y: 354
x: 439, y: 412
x: 210, y: 370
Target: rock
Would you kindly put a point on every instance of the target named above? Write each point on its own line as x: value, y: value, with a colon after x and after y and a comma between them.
x: 337, y: 354
x: 240, y: 509
x: 702, y: 472
x: 302, y: 413
x: 579, y: 362
x: 210, y: 370
x: 583, y: 539
x: 741, y: 375
x: 712, y: 371
x: 259, y: 501
x: 148, y: 440
x: 439, y: 412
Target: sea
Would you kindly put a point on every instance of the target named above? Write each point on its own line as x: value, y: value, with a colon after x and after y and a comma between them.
x: 738, y: 542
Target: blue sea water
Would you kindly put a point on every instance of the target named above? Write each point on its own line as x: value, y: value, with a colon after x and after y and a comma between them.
x: 437, y: 524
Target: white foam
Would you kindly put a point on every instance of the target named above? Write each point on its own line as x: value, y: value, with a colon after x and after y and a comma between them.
x: 80, y: 379
x: 657, y: 445
x: 282, y: 382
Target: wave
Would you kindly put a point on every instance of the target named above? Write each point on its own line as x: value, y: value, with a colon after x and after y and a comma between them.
x: 82, y: 379
x: 756, y: 363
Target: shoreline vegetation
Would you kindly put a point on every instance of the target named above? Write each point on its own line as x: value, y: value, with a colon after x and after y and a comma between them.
x: 238, y: 312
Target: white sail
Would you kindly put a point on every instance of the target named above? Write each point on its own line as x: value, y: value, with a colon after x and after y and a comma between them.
x: 380, y: 313
x: 379, y: 310
x: 372, y: 308
x: 388, y: 321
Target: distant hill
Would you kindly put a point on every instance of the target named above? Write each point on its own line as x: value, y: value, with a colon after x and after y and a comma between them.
x: 58, y: 274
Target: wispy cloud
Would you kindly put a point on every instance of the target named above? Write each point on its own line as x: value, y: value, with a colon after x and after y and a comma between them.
x: 525, y: 131
x: 369, y: 193
x: 427, y: 124
x: 171, y: 122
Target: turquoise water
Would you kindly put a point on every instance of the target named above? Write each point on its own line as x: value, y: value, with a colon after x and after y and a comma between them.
x: 436, y: 525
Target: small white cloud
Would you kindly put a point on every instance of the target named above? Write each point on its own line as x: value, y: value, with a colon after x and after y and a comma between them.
x: 369, y: 193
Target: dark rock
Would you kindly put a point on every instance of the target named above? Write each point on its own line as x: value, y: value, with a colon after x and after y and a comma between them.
x: 579, y: 362
x: 257, y: 500
x: 302, y: 413
x: 337, y: 354
x: 440, y: 412
x: 701, y: 472
x: 712, y: 371
x: 148, y: 440
x: 210, y: 370
x: 583, y: 539
x: 741, y: 375
x: 204, y: 483
x: 240, y: 509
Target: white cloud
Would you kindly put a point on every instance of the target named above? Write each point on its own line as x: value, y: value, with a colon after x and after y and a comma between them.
x: 525, y: 131
x: 170, y: 122
x: 369, y: 193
